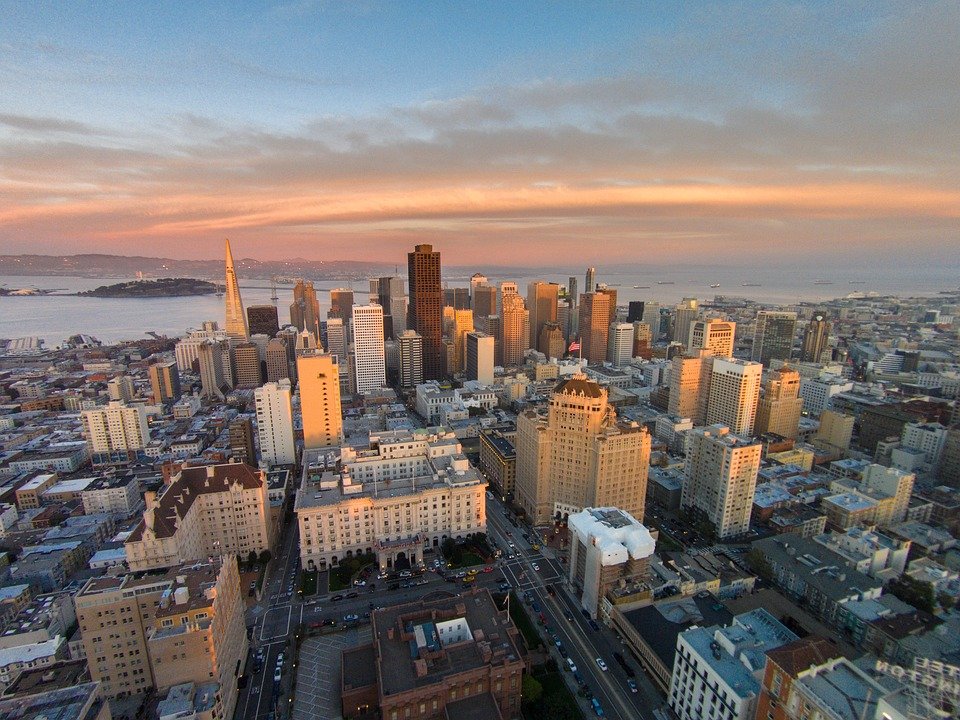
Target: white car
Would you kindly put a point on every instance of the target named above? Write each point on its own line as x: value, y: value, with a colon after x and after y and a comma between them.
x: 536, y: 567
x: 601, y: 664
x: 571, y: 665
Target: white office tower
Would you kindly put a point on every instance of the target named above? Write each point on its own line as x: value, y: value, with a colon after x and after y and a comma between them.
x: 337, y: 339
x: 275, y: 423
x: 411, y: 358
x: 369, y: 357
x: 713, y: 335
x: 479, y: 361
x: 734, y: 393
x: 721, y: 478
x: 620, y: 344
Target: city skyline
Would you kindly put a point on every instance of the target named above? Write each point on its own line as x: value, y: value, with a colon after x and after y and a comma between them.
x: 355, y: 131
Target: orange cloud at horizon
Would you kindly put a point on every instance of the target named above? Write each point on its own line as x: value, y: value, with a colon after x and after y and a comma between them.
x: 173, y: 215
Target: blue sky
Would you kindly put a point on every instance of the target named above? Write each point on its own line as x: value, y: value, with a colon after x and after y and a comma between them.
x: 319, y: 128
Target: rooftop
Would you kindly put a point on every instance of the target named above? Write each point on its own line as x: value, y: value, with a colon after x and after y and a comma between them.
x: 616, y: 533
x: 70, y: 703
x: 425, y: 642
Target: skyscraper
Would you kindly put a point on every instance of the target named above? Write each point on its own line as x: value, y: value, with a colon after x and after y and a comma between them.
x: 683, y: 316
x: 425, y: 313
x: 393, y: 299
x: 368, y: 350
x: 336, y: 338
x: 514, y: 324
x: 411, y: 359
x: 634, y: 311
x: 734, y: 392
x: 493, y: 330
x: 594, y: 326
x: 305, y: 310
x: 165, y: 382
x: 275, y: 423
x: 457, y: 298
x: 642, y: 340
x: 779, y: 409
x: 462, y: 324
x: 773, y: 336
x: 319, y: 385
x: 263, y: 320
x: 590, y: 281
x: 686, y: 385
x: 713, y: 335
x: 815, y: 338
x: 278, y: 360
x: 552, y: 342
x: 479, y: 358
x: 236, y: 318
x: 210, y: 356
x: 247, y: 365
x: 612, y: 294
x: 542, y: 298
x: 484, y: 305
x: 580, y: 455
x: 341, y: 306
x: 721, y: 478
x: 475, y: 280
x: 572, y: 328
x: 620, y: 345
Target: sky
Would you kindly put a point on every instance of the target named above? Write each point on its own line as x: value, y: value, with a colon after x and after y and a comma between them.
x: 510, y: 133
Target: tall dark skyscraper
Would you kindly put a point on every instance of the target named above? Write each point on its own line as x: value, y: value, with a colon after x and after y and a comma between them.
x: 591, y: 280
x: 457, y: 298
x: 773, y: 336
x: 635, y: 311
x: 815, y: 338
x: 263, y: 320
x: 305, y: 310
x: 425, y: 314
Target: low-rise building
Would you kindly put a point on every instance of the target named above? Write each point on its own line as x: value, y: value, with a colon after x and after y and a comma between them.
x: 119, y: 495
x: 80, y: 702
x: 441, y: 658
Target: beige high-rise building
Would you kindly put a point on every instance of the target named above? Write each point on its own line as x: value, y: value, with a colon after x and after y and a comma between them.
x: 319, y: 383
x: 514, y: 328
x: 157, y: 631
x: 734, y: 393
x: 580, y: 455
x: 714, y: 335
x: 620, y: 344
x: 275, y: 423
x: 594, y: 326
x: 204, y: 512
x: 684, y: 315
x: 462, y: 324
x: 687, y: 386
x: 779, y: 409
x: 542, y: 298
x: 721, y: 478
x: 836, y: 429
x: 165, y: 382
x: 278, y: 360
x: 369, y: 355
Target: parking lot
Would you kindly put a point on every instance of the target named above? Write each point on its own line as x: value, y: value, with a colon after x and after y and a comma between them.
x: 318, y: 673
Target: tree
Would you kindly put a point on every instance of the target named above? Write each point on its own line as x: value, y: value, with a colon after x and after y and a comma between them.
x: 530, y: 689
x: 759, y: 564
x: 449, y: 548
x: 265, y: 557
x: 251, y: 559
x: 914, y: 592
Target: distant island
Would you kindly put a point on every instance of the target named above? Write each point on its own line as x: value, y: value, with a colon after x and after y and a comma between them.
x: 161, y: 287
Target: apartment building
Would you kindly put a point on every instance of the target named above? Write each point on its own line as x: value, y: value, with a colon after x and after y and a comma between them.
x: 404, y: 492
x: 205, y: 511
x: 119, y: 495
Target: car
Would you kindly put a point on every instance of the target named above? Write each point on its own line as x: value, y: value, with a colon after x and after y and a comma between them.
x: 336, y: 598
x: 535, y: 546
x: 562, y: 650
x: 488, y: 569
x: 352, y: 595
x: 280, y: 658
x: 632, y: 684
x: 593, y: 624
x: 568, y: 615
x: 277, y: 674
x: 536, y: 567
x: 359, y: 583
x: 405, y: 573
x: 571, y: 665
x: 535, y: 606
x: 595, y: 704
x: 623, y: 663
x: 601, y: 664
x: 550, y: 591
x: 351, y: 618
x: 504, y: 586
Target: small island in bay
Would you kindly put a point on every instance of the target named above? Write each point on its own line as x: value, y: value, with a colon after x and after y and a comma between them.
x: 161, y: 287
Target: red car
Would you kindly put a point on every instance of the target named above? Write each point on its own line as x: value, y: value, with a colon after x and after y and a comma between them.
x: 488, y: 569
